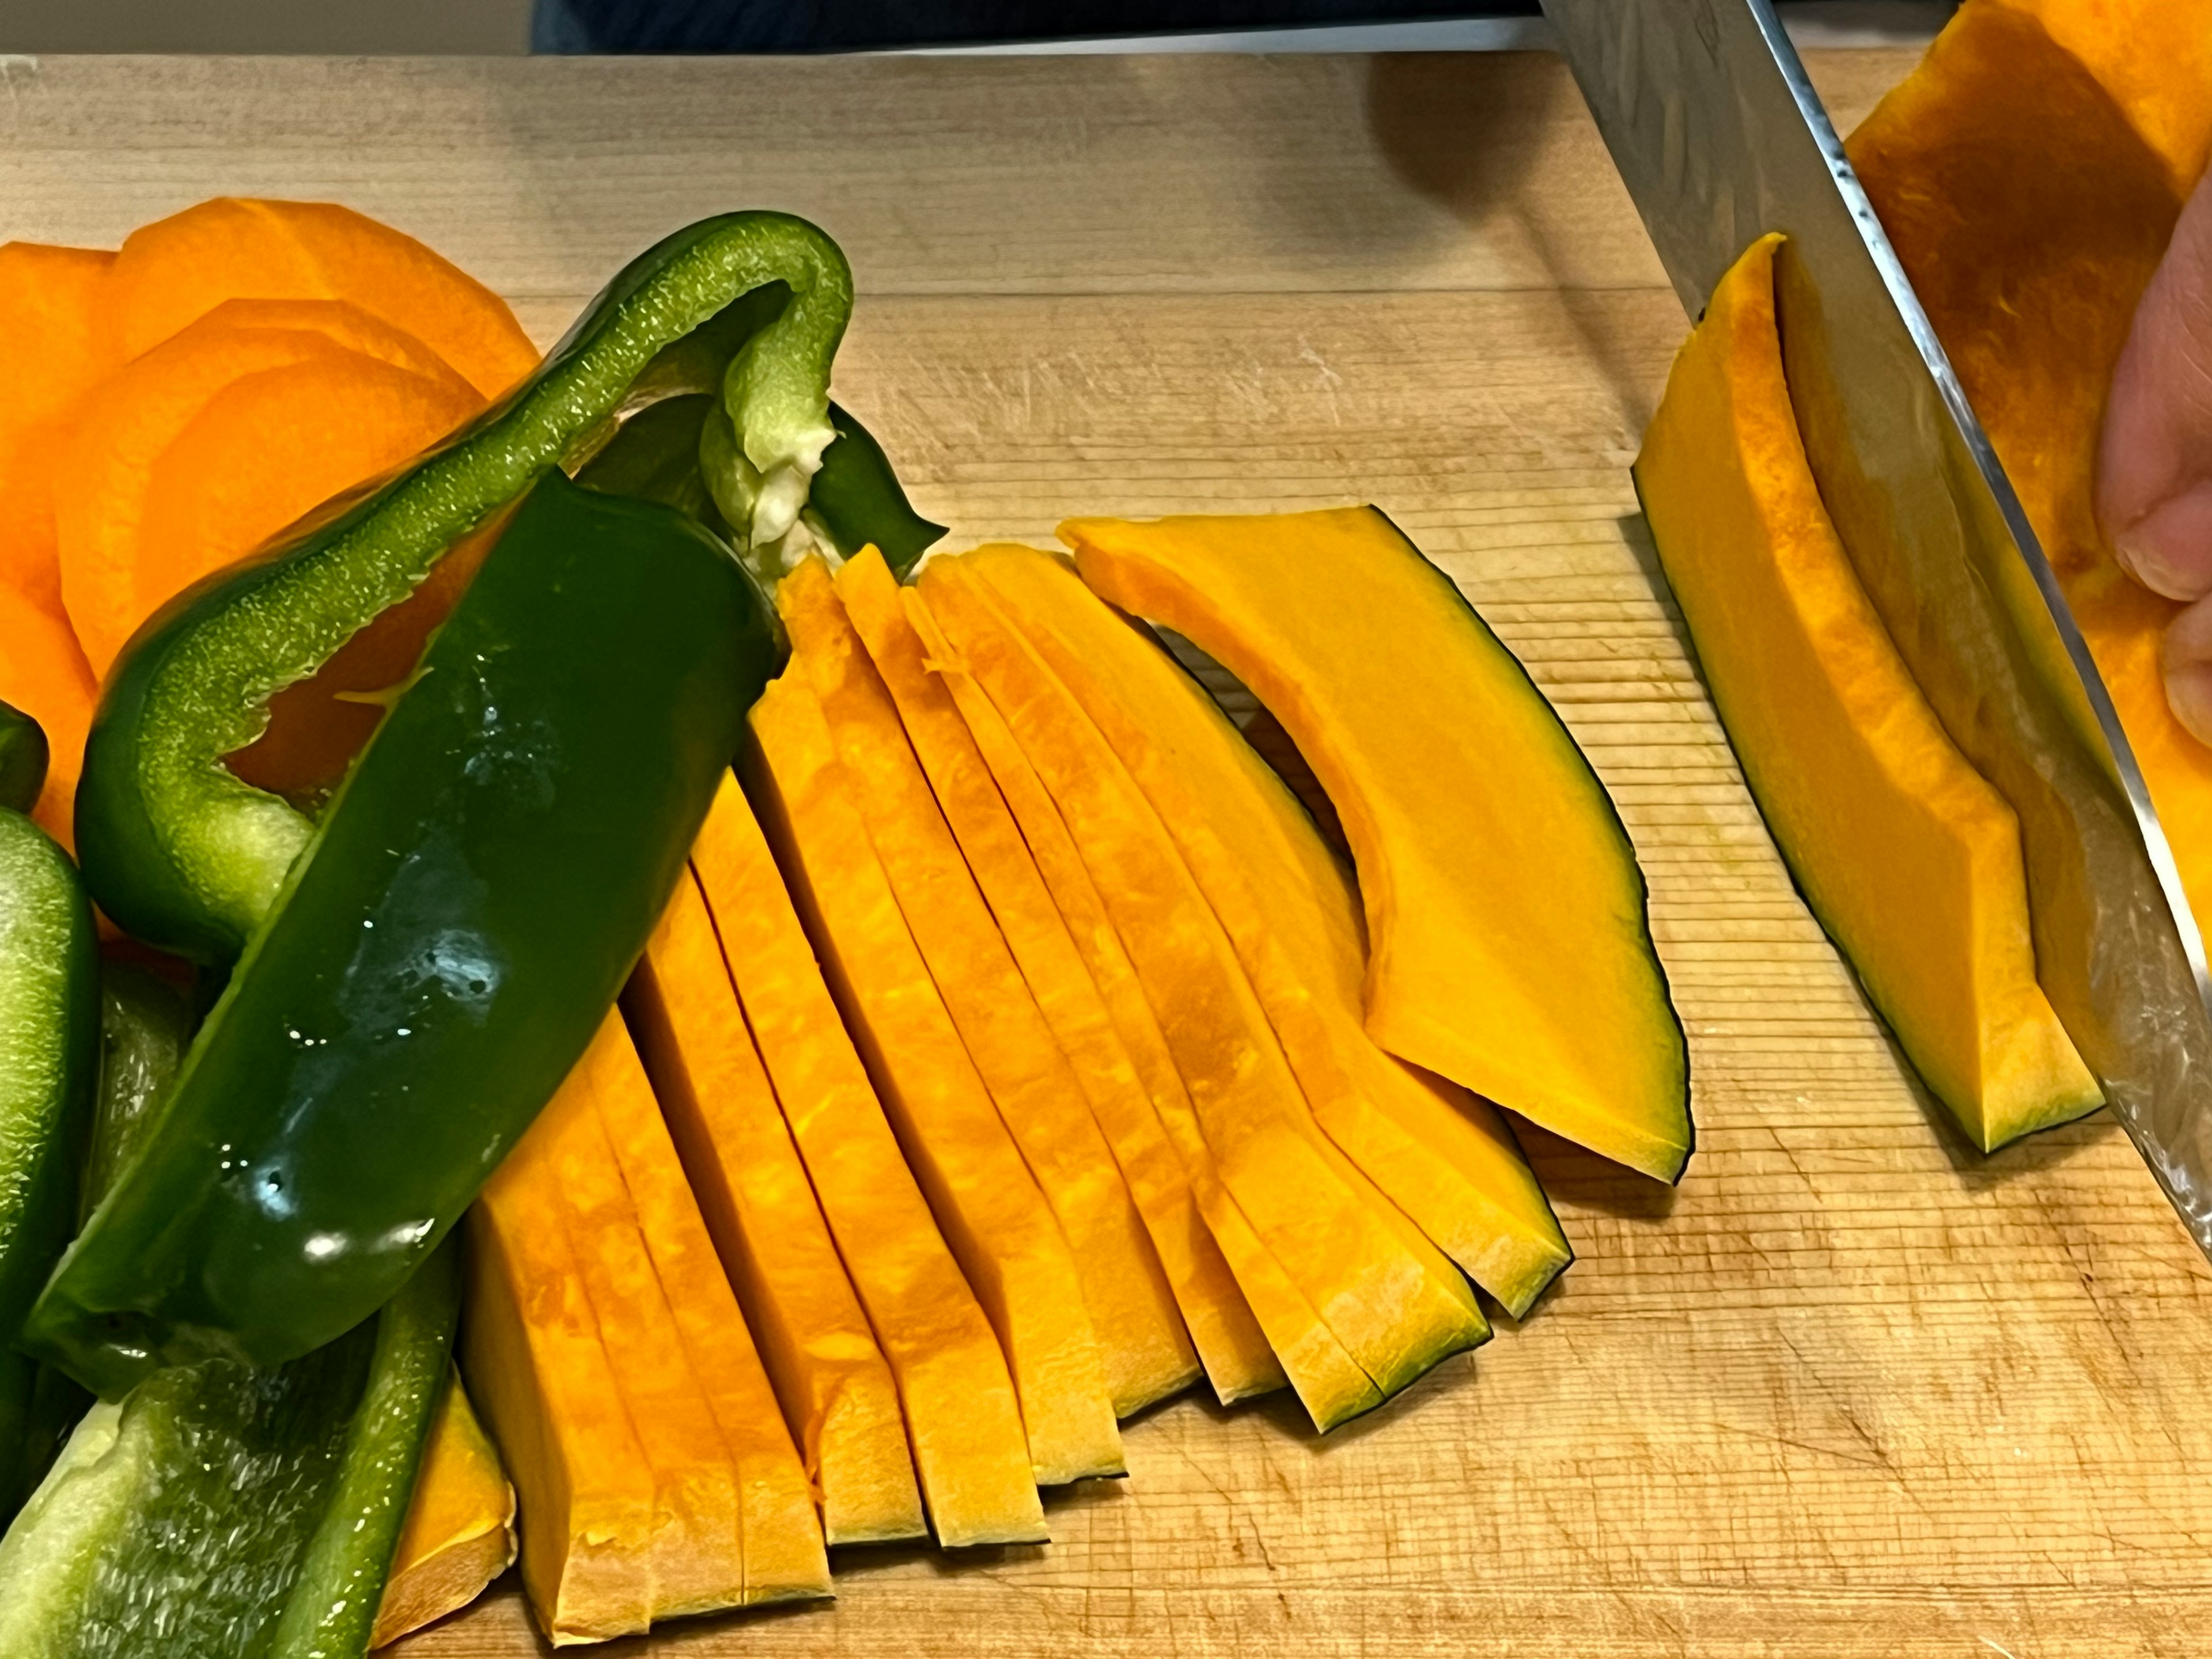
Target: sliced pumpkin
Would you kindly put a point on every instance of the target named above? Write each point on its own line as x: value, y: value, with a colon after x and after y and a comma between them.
x: 47, y: 299
x: 1909, y: 857
x: 836, y: 1390
x: 1442, y: 1157
x: 781, y: 1535
x: 1228, y: 1341
x: 534, y: 1359
x: 1509, y: 945
x: 189, y: 458
x: 2030, y: 192
x: 1387, y: 1314
x: 175, y: 271
x: 1146, y: 1354
x: 964, y: 1422
x: 998, y: 1223
x: 44, y: 673
x: 460, y: 1531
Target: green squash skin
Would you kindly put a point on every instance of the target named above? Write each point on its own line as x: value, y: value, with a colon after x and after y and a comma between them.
x: 473, y: 899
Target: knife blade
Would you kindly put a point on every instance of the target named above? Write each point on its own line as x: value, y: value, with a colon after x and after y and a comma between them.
x: 1721, y: 138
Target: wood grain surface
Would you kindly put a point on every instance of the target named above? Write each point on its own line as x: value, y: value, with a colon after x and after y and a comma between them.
x: 1852, y: 1390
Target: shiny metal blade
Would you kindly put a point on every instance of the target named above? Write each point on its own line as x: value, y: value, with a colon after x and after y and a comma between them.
x: 1721, y: 138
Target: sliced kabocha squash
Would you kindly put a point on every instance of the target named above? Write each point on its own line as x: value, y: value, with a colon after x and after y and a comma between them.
x: 835, y: 1389
x: 459, y: 1531
x: 1141, y: 1341
x: 1440, y: 1155
x: 1228, y: 1341
x: 1366, y: 1285
x: 1909, y: 857
x: 998, y: 1223
x: 2029, y: 173
x: 962, y: 1420
x: 781, y: 1535
x: 1509, y: 945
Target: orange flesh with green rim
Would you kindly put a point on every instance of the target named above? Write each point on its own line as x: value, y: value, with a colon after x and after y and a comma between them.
x: 1227, y: 1340
x: 1509, y: 949
x: 963, y: 1423
x: 1905, y: 851
x: 1442, y: 1157
x: 1376, y: 1296
x: 460, y: 1531
x: 836, y: 1391
x: 996, y: 1221
x: 781, y: 1536
x: 1141, y: 1341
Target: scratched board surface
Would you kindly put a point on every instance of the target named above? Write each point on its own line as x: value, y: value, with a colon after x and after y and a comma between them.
x: 1851, y: 1390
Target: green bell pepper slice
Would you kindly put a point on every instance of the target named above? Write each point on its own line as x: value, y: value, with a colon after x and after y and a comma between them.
x: 22, y: 759
x: 223, y: 1511
x: 441, y: 952
x: 748, y: 307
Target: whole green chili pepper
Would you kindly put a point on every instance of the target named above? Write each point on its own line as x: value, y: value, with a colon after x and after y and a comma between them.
x: 440, y: 954
x: 222, y: 1512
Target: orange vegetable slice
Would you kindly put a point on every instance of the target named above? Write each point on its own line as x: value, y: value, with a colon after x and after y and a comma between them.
x: 962, y: 1420
x: 44, y: 673
x: 175, y: 271
x: 46, y: 300
x: 459, y: 1531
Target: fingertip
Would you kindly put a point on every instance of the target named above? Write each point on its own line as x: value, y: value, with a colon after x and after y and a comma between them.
x: 2169, y: 549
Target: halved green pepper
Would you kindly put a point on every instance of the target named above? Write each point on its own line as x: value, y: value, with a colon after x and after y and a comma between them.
x: 438, y: 956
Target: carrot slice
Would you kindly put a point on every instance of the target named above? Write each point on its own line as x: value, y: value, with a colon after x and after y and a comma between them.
x: 962, y: 1420
x: 783, y: 1556
x: 998, y: 1223
x: 195, y: 454
x: 1227, y: 1339
x: 177, y: 269
x: 835, y: 1389
x: 1147, y: 1353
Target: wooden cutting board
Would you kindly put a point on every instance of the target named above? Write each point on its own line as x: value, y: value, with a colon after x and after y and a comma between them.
x: 1852, y: 1390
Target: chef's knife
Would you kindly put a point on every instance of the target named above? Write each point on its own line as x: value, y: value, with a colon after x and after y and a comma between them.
x: 1721, y: 139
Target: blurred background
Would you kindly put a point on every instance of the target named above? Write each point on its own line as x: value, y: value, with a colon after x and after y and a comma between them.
x: 31, y: 27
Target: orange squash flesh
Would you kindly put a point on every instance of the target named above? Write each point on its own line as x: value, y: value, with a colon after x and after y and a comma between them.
x: 2029, y: 172
x: 460, y: 1531
x: 1507, y: 945
x: 1227, y: 1338
x: 1376, y: 1296
x: 186, y: 460
x: 698, y: 1557
x: 44, y: 673
x: 836, y: 1391
x: 536, y: 1363
x: 1178, y: 788
x: 1909, y: 857
x: 175, y: 271
x: 1442, y: 1157
x: 1141, y: 1342
x: 998, y: 1223
x: 963, y: 1420
x: 1261, y: 1281
x: 781, y: 1535
x: 46, y: 300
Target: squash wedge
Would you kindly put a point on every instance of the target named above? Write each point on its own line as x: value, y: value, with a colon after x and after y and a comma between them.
x: 1509, y: 947
x: 2029, y: 172
x: 1297, y: 1339
x: 998, y: 1223
x: 698, y: 1555
x: 460, y: 1531
x: 1907, y: 855
x: 1227, y: 1340
x: 1394, y: 1317
x: 534, y: 1360
x: 835, y: 1389
x: 1444, y: 1157
x: 963, y: 1423
x: 784, y: 1557
x: 1141, y: 1341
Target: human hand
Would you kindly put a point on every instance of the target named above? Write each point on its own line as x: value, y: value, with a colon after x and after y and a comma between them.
x: 2155, y: 465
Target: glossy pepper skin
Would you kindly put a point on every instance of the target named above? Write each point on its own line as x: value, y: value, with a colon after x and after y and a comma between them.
x: 747, y: 308
x: 440, y: 953
x: 235, y: 1513
x: 22, y: 759
x: 49, y: 1070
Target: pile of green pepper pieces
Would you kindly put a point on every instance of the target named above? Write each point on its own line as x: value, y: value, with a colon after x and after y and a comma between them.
x: 232, y: 1231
